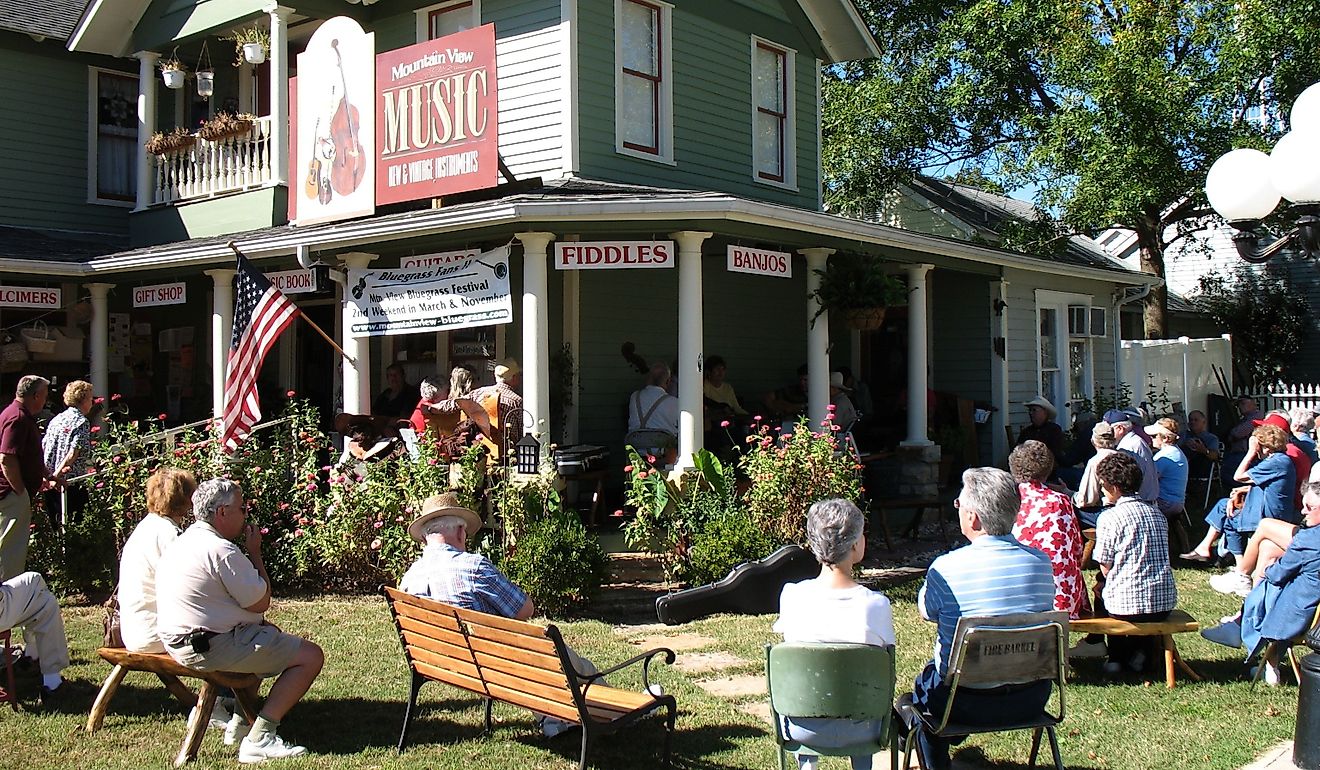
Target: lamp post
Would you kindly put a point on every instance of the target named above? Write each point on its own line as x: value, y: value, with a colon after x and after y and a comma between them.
x: 1245, y: 185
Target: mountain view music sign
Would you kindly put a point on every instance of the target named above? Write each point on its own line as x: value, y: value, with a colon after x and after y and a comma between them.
x: 436, y: 117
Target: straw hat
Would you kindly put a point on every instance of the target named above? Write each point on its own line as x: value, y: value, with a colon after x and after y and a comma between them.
x: 506, y: 368
x: 346, y: 420
x: 445, y: 504
x: 1043, y: 403
x: 836, y: 381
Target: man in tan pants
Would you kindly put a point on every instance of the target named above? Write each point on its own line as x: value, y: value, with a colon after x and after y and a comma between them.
x: 26, y: 601
x: 22, y: 471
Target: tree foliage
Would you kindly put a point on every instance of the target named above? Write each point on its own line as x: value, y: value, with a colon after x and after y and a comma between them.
x: 1268, y: 320
x: 1112, y: 110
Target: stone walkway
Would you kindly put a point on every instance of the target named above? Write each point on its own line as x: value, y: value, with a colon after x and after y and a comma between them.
x: 1277, y: 758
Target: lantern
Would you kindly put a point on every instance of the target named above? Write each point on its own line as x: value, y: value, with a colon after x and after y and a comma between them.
x: 527, y: 453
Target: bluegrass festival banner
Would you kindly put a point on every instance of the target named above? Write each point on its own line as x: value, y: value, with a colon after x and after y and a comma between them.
x: 458, y: 295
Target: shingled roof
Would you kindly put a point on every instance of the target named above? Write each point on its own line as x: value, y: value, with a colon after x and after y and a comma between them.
x: 48, y: 18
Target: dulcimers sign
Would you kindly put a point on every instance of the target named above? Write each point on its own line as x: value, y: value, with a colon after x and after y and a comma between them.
x: 411, y: 123
x: 436, y: 117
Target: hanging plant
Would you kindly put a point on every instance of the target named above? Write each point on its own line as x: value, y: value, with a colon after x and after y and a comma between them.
x: 225, y: 125
x: 172, y: 72
x: 251, y: 44
x: 858, y: 289
x: 174, y: 140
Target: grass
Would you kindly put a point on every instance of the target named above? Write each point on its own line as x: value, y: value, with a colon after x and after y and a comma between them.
x: 352, y: 716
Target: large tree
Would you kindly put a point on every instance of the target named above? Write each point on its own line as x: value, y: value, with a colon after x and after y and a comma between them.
x: 1112, y: 111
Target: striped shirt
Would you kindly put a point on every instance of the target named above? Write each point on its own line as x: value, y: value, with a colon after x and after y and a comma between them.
x: 462, y: 579
x: 994, y: 575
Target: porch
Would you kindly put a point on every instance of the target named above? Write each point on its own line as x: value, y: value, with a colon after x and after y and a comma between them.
x: 205, y: 168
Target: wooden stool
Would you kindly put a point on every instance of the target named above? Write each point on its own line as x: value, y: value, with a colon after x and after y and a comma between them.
x: 1088, y: 546
x: 8, y: 693
x: 169, y: 672
x: 1178, y: 622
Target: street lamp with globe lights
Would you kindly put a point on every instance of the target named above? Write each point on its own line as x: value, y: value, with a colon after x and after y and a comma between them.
x: 1245, y: 186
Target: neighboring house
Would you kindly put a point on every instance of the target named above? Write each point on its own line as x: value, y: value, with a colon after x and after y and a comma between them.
x: 624, y: 121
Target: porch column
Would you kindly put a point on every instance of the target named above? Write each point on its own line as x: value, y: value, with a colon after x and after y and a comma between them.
x: 536, y: 336
x: 222, y: 326
x: 279, y: 92
x: 999, y: 371
x: 918, y: 351
x: 146, y: 114
x: 818, y: 340
x: 100, y: 342
x: 357, y: 377
x: 690, y: 327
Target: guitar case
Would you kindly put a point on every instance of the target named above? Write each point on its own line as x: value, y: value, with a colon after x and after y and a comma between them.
x: 749, y: 589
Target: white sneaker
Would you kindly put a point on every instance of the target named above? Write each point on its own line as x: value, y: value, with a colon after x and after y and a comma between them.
x: 221, y: 713
x: 236, y: 729
x: 1085, y: 649
x: 1231, y: 582
x: 655, y: 691
x: 251, y: 752
x: 1227, y: 634
x: 552, y: 727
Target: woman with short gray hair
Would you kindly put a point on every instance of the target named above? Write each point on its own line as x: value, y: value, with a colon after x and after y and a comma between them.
x: 832, y: 607
x: 1302, y: 422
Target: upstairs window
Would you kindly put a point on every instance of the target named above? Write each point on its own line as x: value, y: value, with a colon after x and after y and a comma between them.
x: 772, y: 114
x: 447, y: 18
x: 112, y: 150
x: 644, y: 88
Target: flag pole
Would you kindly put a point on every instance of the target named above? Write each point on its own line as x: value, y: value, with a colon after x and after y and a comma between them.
x: 310, y: 322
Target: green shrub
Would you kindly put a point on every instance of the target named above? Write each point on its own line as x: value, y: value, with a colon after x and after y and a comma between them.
x: 727, y: 541
x: 558, y: 563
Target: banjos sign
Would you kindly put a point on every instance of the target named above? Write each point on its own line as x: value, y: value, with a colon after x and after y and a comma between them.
x: 436, y: 119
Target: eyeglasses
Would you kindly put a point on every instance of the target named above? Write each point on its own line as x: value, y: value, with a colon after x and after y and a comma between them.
x: 957, y: 502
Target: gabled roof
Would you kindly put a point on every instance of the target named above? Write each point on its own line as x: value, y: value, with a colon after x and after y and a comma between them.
x: 47, y: 18
x: 988, y: 213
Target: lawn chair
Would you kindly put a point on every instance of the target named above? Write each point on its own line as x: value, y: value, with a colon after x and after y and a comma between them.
x: 1004, y: 650
x: 844, y: 681
x: 1271, y: 650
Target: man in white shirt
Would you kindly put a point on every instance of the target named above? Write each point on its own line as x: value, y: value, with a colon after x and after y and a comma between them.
x: 652, y: 410
x: 1130, y: 441
x: 210, y: 600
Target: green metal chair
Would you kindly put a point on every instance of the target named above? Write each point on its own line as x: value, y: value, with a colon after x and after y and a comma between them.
x: 838, y: 681
x: 991, y: 651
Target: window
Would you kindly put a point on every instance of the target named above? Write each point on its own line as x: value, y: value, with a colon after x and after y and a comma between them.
x: 1065, y: 349
x: 643, y: 86
x: 112, y: 138
x: 772, y: 113
x: 447, y: 18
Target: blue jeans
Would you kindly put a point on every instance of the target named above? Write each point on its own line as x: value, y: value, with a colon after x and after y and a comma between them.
x: 1089, y: 518
x: 832, y: 734
x: 1235, y: 542
x: 979, y: 708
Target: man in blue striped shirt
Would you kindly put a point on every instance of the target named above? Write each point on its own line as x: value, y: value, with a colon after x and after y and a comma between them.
x: 994, y: 575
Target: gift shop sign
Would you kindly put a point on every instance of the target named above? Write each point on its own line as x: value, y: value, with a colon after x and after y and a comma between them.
x: 613, y: 254
x: 29, y: 296
x: 436, y: 117
x: 463, y: 294
x: 160, y: 294
x: 760, y: 262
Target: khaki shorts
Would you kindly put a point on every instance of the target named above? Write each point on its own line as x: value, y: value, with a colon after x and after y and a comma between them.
x: 258, y: 648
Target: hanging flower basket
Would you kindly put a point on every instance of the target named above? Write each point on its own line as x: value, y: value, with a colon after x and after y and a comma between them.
x: 254, y: 53
x: 865, y: 318
x: 170, y: 142
x: 173, y: 78
x: 225, y: 125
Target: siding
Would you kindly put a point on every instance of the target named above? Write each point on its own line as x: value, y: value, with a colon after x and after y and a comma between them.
x: 528, y: 49
x: 960, y: 348
x: 712, y: 107
x: 43, y: 156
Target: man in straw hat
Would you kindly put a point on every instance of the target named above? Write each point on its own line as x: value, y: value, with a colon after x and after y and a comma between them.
x: 448, y: 573
x: 502, y: 403
x: 1042, y: 427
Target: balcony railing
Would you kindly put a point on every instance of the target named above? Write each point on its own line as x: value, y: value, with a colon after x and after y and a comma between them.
x: 210, y: 168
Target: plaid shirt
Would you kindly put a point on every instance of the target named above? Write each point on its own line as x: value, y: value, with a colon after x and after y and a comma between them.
x: 466, y: 580
x: 1133, y: 538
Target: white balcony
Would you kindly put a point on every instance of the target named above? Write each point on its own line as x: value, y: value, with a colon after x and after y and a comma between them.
x: 209, y: 168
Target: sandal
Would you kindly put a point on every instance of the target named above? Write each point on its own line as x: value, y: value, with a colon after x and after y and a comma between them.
x: 1195, y: 557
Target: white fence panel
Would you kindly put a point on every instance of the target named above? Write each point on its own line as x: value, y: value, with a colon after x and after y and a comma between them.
x: 1185, y: 366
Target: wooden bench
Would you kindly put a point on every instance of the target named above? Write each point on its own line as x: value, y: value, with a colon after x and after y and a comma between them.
x: 519, y: 663
x: 1178, y: 622
x: 169, y: 672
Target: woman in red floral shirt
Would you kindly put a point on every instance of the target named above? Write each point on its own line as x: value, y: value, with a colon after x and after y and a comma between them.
x: 1046, y: 521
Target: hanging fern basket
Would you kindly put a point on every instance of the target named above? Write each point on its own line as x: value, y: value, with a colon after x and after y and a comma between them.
x: 865, y: 318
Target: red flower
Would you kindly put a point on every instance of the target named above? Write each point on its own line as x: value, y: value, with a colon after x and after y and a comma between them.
x: 115, y: 396
x: 96, y: 429
x: 162, y: 417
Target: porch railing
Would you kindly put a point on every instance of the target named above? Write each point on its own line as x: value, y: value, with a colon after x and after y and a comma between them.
x: 211, y: 167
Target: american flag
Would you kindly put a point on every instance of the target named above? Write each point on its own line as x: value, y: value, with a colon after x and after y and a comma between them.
x: 261, y: 314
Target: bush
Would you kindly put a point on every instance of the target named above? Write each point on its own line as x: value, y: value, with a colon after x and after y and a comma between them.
x: 727, y: 541
x: 558, y: 563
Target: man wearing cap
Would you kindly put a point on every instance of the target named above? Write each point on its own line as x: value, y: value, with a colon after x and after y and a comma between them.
x: 1042, y: 427
x: 502, y: 402
x: 845, y: 413
x: 1130, y: 441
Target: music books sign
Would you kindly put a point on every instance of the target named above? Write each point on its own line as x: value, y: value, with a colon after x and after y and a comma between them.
x: 436, y: 117
x: 760, y: 262
x: 471, y: 292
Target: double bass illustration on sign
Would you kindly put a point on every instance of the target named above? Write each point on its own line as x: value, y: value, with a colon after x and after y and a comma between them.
x: 338, y: 162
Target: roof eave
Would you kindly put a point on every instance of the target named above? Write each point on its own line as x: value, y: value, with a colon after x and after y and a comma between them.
x: 842, y: 30
x: 106, y: 27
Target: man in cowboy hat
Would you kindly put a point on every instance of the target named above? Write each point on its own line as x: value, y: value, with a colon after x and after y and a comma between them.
x: 1042, y: 427
x: 503, y: 404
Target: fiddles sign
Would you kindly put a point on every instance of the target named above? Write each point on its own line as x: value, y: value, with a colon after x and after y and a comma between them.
x: 411, y: 123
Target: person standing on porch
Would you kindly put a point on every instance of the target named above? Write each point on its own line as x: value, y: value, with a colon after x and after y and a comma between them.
x: 502, y: 401
x: 22, y: 471
x: 399, y: 396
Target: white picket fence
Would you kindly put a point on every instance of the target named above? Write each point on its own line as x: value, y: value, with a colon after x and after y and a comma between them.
x: 1285, y: 396
x: 1184, y: 366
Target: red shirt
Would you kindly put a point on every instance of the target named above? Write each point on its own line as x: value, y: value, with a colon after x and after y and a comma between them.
x: 19, y: 436
x: 1302, y: 464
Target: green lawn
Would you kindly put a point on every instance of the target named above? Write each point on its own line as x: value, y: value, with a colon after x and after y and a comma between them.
x: 352, y: 716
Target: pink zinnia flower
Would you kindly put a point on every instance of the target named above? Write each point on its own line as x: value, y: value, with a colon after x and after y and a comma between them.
x: 724, y: 423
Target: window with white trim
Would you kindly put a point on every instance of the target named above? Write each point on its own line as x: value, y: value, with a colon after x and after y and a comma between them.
x: 1065, y: 327
x: 447, y: 18
x: 773, y: 148
x: 112, y: 137
x: 643, y: 84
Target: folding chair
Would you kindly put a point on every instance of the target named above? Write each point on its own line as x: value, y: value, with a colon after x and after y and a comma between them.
x: 843, y: 681
x: 1210, y: 480
x: 997, y: 651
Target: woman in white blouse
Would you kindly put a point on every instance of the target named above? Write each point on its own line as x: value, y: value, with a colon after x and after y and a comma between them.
x: 832, y: 607
x: 169, y: 502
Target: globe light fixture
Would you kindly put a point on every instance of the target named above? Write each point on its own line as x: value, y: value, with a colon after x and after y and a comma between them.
x: 1245, y: 186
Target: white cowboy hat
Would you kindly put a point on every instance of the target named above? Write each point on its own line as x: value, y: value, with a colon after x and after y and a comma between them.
x: 445, y: 504
x: 1043, y: 403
